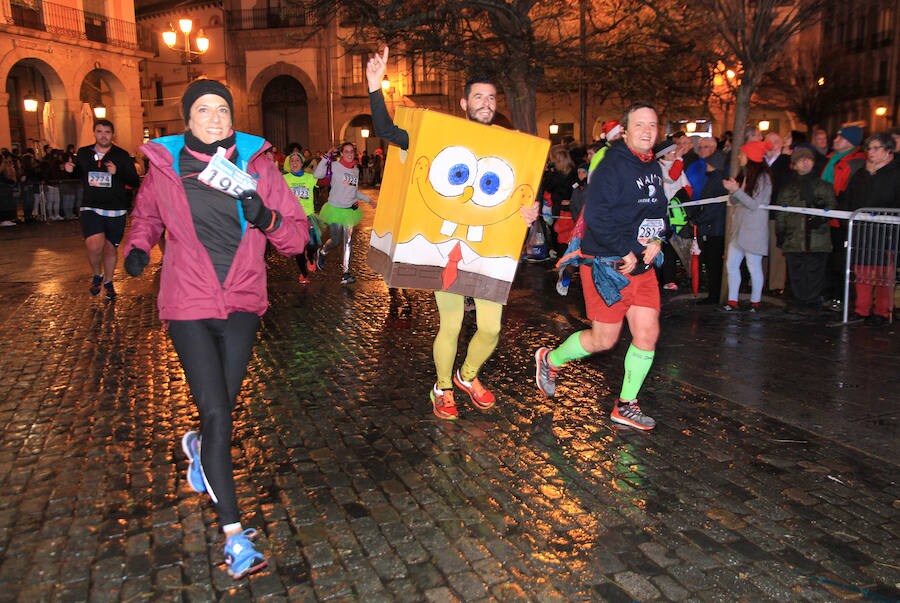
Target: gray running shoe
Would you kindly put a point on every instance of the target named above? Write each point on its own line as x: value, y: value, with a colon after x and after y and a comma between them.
x: 545, y: 373
x: 630, y: 414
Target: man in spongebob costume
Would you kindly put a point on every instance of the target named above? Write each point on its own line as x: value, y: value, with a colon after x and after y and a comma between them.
x: 468, y: 194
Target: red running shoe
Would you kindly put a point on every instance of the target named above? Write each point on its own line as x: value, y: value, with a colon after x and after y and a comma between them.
x: 481, y: 398
x: 443, y: 404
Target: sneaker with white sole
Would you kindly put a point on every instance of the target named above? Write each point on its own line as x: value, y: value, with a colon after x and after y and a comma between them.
x: 443, y: 404
x: 629, y: 413
x: 482, y: 398
x: 240, y: 555
x: 190, y: 444
x: 545, y: 373
x: 563, y: 282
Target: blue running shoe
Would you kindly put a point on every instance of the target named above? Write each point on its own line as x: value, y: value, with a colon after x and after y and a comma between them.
x: 240, y: 556
x: 190, y: 443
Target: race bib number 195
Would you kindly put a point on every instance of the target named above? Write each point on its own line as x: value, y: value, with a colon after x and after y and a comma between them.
x: 224, y: 176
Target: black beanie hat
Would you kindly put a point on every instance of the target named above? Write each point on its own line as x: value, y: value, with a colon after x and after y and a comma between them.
x: 200, y: 87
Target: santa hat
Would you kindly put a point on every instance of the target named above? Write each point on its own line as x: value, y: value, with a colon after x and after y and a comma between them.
x: 756, y: 150
x: 664, y: 148
x: 610, y: 129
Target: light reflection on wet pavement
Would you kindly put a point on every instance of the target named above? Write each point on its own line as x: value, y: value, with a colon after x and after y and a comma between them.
x: 363, y: 495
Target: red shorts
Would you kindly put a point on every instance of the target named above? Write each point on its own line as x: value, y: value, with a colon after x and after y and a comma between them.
x: 642, y: 290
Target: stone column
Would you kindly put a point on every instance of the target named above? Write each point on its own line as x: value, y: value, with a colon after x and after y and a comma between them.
x: 5, y: 139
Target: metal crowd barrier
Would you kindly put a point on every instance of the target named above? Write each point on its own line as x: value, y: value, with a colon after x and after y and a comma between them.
x: 873, y: 236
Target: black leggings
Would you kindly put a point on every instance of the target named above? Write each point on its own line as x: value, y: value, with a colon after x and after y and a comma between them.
x: 307, y: 256
x: 214, y: 354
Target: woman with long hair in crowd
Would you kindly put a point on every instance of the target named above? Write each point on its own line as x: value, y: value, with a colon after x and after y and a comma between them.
x: 750, y: 226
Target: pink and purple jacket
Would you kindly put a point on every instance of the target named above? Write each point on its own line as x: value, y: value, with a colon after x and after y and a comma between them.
x: 189, y: 288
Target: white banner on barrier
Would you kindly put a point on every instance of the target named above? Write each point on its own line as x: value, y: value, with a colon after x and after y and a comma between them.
x: 825, y: 213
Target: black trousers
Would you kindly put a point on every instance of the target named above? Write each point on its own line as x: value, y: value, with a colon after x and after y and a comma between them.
x: 836, y: 265
x: 806, y: 272
x: 666, y: 273
x: 307, y: 256
x: 214, y: 354
x: 712, y: 253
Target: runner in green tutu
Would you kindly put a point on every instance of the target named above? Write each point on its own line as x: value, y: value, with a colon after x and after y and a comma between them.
x: 341, y: 212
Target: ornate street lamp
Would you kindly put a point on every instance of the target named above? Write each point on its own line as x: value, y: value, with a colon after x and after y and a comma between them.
x: 31, y: 103
x: 100, y: 112
x: 189, y: 55
x: 554, y: 127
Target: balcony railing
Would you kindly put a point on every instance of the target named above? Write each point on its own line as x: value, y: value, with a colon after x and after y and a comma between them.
x: 271, y: 18
x: 425, y: 87
x: 351, y: 87
x: 72, y: 22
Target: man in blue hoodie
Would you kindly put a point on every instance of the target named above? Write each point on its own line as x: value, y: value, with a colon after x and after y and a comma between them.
x: 625, y: 216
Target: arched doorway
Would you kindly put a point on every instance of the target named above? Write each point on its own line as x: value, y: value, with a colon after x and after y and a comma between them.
x: 102, y: 96
x: 36, y: 107
x: 285, y: 112
x: 361, y: 132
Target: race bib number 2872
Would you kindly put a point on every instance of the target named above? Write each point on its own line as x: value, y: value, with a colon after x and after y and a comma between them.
x: 651, y: 228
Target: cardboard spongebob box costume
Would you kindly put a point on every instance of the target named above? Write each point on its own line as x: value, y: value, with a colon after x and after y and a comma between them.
x: 448, y: 211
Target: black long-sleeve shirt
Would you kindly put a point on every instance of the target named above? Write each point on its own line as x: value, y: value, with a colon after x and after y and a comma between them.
x: 384, y: 125
x: 90, y: 167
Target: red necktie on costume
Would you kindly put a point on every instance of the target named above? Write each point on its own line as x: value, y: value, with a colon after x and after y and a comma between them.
x: 450, y: 271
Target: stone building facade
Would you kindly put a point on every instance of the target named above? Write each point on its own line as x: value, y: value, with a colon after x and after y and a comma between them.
x: 71, y: 57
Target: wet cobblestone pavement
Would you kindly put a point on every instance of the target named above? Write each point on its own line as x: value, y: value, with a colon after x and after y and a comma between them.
x: 753, y: 487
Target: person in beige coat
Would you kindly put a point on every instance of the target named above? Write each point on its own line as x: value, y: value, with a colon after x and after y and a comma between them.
x: 750, y: 224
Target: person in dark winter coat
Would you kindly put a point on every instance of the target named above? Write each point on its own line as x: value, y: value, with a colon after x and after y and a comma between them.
x: 805, y: 240
x: 706, y: 182
x: 875, y: 259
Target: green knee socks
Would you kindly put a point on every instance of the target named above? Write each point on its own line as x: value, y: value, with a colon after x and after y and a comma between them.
x: 570, y: 349
x: 637, y: 365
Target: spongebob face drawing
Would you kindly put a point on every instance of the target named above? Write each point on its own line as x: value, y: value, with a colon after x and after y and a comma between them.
x: 466, y: 191
x: 448, y: 214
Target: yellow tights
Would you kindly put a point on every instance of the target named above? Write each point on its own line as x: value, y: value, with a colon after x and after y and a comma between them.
x: 451, y: 307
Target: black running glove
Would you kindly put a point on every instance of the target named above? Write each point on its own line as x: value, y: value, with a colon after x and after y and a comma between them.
x: 256, y: 212
x: 136, y: 261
